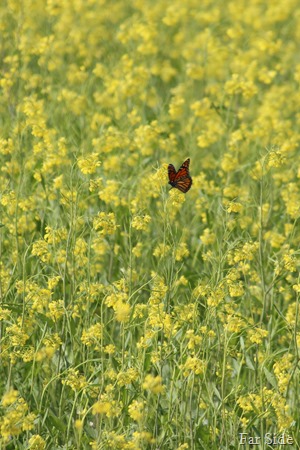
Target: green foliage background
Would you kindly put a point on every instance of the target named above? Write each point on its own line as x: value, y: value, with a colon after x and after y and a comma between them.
x: 134, y: 316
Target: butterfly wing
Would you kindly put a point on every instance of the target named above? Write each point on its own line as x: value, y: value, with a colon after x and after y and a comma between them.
x: 171, y: 173
x: 180, y: 179
x: 184, y: 184
x: 183, y: 171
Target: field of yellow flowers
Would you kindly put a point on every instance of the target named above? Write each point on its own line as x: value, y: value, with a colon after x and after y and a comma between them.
x: 134, y: 316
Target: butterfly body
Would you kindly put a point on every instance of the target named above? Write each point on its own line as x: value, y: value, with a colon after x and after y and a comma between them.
x: 180, y: 179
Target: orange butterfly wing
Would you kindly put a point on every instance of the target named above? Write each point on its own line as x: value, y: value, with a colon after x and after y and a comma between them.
x: 171, y: 173
x: 180, y: 179
x: 184, y: 185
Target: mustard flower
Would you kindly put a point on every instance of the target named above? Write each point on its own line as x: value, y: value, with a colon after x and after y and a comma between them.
x: 105, y: 224
x: 16, y: 417
x: 17, y: 335
x: 122, y: 311
x: 182, y: 281
x: 107, y: 406
x: 186, y: 313
x: 229, y: 162
x: 234, y: 323
x: 101, y: 407
x: 233, y: 207
x: 113, y: 298
x: 127, y: 377
x: 109, y: 194
x: 257, y: 171
x: 92, y: 335
x: 194, y: 340
x: 174, y: 14
x: 56, y: 310
x: 153, y: 384
x: 110, y: 349
x: 40, y: 249
x: 181, y: 251
x: 193, y: 365
x: 276, y: 239
x: 58, y: 182
x: 296, y: 288
x: 291, y: 197
x: 282, y: 367
x: 80, y: 250
x: 53, y: 282
x: 54, y: 237
x: 175, y: 201
x: 136, y: 410
x: 243, y: 253
x: 146, y: 137
x: 142, y: 436
x: 36, y: 442
x: 208, y: 237
x: 256, y: 335
x: 140, y: 222
x: 72, y: 101
x: 216, y: 296
x: 285, y: 420
x: 49, y: 346
x: 161, y: 250
x: 275, y: 159
x: 158, y: 290
x: 100, y: 70
x: 213, y: 131
x: 96, y: 185
x: 9, y: 397
x: 75, y: 380
x: 137, y: 250
x: 89, y: 163
x: 4, y: 313
x: 117, y: 441
x: 176, y: 107
x: 183, y: 447
x: 236, y: 289
x: 289, y: 262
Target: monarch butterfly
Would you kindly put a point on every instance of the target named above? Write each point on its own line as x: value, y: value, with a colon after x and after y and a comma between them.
x: 180, y: 179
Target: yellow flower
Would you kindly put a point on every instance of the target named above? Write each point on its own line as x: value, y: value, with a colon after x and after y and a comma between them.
x: 234, y: 323
x: 40, y: 249
x: 137, y: 250
x: 161, y: 250
x: 92, y: 335
x: 236, y: 289
x: 122, y: 311
x: 181, y: 251
x: 141, y: 222
x: 127, y: 377
x: 36, y: 442
x: 109, y: 194
x: 153, y: 384
x: 107, y: 406
x: 9, y: 397
x: 56, y: 310
x: 193, y: 365
x: 257, y: 335
x: 233, y: 207
x: 229, y: 162
x: 89, y: 163
x: 208, y: 237
x: 17, y: 335
x: 76, y: 381
x: 136, y: 410
x: 105, y: 224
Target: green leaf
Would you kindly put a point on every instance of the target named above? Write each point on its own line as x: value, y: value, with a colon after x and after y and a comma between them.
x: 270, y: 377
